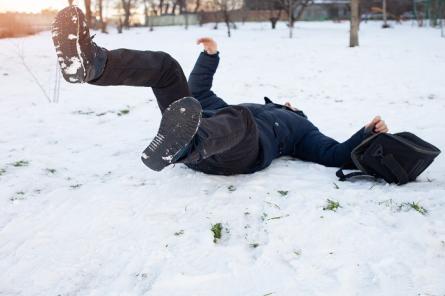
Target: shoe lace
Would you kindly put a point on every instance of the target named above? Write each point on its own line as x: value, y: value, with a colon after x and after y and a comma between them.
x: 89, y: 42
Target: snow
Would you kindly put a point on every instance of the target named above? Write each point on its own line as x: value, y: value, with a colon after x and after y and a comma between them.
x: 168, y: 158
x: 75, y: 65
x: 81, y: 215
x: 71, y: 36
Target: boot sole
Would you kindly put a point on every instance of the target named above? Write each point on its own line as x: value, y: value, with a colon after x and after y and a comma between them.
x: 65, y: 33
x: 179, y: 125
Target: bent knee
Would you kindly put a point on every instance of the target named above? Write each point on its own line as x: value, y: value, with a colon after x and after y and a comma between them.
x: 168, y: 61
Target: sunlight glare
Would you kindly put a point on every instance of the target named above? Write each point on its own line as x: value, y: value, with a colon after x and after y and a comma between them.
x: 32, y: 5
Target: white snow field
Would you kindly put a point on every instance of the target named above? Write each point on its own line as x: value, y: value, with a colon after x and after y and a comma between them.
x: 81, y: 215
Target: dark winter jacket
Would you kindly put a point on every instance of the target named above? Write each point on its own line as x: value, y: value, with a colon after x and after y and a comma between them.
x: 281, y: 131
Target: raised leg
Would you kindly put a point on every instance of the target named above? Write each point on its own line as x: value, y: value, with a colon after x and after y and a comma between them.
x: 81, y: 60
x: 157, y: 70
x: 181, y: 126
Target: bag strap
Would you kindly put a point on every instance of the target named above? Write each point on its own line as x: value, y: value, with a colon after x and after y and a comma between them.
x: 344, y: 177
x: 396, y: 169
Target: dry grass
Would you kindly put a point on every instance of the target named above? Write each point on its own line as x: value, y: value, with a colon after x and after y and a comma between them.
x: 18, y: 25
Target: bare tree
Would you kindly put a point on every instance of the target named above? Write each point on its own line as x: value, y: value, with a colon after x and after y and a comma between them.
x: 442, y: 30
x: 100, y: 10
x: 295, y: 10
x: 126, y: 5
x: 161, y: 7
x: 385, y: 15
x: 146, y: 13
x: 301, y: 7
x: 182, y: 5
x: 355, y: 22
x: 150, y: 8
x: 184, y: 10
x: 119, y: 24
x: 225, y: 7
x: 88, y: 14
x: 442, y: 16
x: 176, y: 4
x: 197, y: 6
x: 275, y: 8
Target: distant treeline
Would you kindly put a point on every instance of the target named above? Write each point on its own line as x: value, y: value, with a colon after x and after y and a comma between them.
x: 23, y: 24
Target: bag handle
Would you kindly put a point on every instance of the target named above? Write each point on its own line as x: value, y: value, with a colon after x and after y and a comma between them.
x: 344, y: 177
x: 396, y: 169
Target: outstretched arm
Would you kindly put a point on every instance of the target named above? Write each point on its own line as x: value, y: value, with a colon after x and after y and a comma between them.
x: 201, y: 79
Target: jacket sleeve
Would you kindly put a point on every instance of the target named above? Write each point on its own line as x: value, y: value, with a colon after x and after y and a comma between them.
x: 201, y: 81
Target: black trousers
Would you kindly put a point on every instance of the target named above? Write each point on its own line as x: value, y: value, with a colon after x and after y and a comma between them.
x: 224, y: 142
x: 157, y: 70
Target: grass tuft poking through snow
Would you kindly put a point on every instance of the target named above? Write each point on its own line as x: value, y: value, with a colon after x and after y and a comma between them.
x: 331, y: 205
x: 20, y: 195
x: 217, y: 232
x: 20, y: 163
x: 51, y: 171
x: 179, y: 233
x: 123, y: 112
x: 407, y: 206
x: 283, y: 192
x: 231, y: 188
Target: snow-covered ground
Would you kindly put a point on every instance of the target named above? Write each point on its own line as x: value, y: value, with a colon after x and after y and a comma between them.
x: 81, y: 215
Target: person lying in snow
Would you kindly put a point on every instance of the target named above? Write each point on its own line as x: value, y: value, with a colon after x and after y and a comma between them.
x: 198, y: 128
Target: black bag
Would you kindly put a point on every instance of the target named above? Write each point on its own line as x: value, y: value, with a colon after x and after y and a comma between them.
x: 396, y: 158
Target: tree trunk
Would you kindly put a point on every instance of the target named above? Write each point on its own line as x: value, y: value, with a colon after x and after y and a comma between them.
x: 442, y: 15
x: 274, y: 15
x: 127, y: 13
x: 385, y: 15
x: 103, y: 24
x: 146, y: 16
x: 186, y: 16
x: 161, y: 7
x: 442, y: 29
x: 197, y: 6
x: 119, y: 26
x: 227, y: 21
x: 275, y: 18
x: 434, y: 15
x: 291, y: 19
x: 174, y: 7
x: 88, y: 14
x: 355, y: 22
x: 273, y: 22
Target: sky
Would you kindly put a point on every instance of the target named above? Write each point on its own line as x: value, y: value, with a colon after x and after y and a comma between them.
x: 31, y: 5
